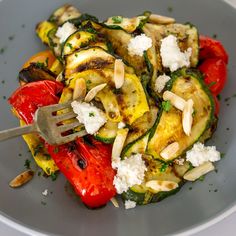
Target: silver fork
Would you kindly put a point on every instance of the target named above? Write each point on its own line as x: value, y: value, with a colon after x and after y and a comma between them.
x: 46, y: 124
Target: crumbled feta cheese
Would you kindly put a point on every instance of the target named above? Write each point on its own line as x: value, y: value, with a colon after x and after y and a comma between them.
x: 130, y: 204
x: 130, y: 171
x: 161, y: 82
x: 121, y: 125
x: 139, y: 44
x: 200, y: 154
x: 89, y: 115
x: 45, y: 192
x: 65, y: 31
x: 171, y: 55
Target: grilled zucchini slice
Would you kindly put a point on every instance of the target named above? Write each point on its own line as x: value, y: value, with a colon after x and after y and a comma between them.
x: 88, y: 58
x: 42, y: 30
x: 63, y: 14
x: 127, y: 24
x: 187, y: 84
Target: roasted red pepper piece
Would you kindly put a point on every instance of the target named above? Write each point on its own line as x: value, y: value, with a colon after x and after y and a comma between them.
x: 211, y: 48
x: 87, y: 166
x: 28, y: 98
x: 215, y: 74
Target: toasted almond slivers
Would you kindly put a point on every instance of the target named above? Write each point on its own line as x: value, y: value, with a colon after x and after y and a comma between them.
x: 80, y: 89
x: 168, y: 152
x: 119, y: 73
x: 158, y: 19
x: 60, y: 77
x: 22, y: 179
x: 93, y: 92
x: 119, y: 142
x: 199, y: 171
x: 114, y: 202
x: 187, y: 119
x: 161, y: 185
x: 175, y: 100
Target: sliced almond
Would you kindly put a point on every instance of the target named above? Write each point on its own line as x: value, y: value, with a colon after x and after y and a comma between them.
x: 119, y: 73
x: 114, y: 202
x: 22, y: 179
x: 119, y: 142
x: 199, y: 171
x: 187, y: 119
x: 175, y: 100
x: 60, y: 77
x: 168, y: 152
x: 80, y: 89
x: 158, y: 19
x: 93, y: 92
x: 161, y: 185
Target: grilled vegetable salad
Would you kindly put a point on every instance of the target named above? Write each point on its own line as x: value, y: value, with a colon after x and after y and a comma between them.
x: 145, y: 90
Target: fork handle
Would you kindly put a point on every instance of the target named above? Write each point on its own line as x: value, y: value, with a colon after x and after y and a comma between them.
x: 14, y: 132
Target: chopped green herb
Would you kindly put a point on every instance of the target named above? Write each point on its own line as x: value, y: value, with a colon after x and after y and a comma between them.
x: 40, y: 64
x: 27, y: 164
x: 170, y: 9
x: 19, y: 154
x: 91, y: 114
x: 227, y: 129
x: 216, y: 170
x: 43, y: 203
x: 4, y: 97
x: 48, y: 157
x: 2, y: 50
x: 39, y: 173
x: 117, y: 19
x: 222, y: 155
x: 227, y: 99
x: 216, y: 190
x: 214, y: 36
x: 190, y: 188
x: 88, y: 82
x: 56, y: 150
x: 54, y: 176
x: 11, y: 37
x: 166, y: 105
x: 69, y: 45
x: 218, y: 97
x: 234, y: 95
x: 201, y: 178
x: 164, y: 166
x: 3, y: 81
x: 38, y: 149
x: 76, y: 55
x: 91, y: 30
x: 211, y: 84
x: 194, y: 112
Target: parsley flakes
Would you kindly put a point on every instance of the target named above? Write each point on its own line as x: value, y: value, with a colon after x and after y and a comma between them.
x: 166, y: 105
x: 117, y: 19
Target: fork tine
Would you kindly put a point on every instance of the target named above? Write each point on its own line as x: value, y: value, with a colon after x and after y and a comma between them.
x: 71, y: 137
x: 69, y: 126
x: 57, y: 107
x: 65, y: 116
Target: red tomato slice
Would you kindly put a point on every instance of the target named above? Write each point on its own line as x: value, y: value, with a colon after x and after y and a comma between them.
x: 215, y: 74
x: 211, y: 48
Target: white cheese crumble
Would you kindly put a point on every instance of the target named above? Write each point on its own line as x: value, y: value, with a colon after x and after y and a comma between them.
x: 45, y: 192
x: 89, y: 115
x: 160, y: 82
x: 121, y: 125
x: 171, y: 55
x: 130, y: 171
x: 200, y: 154
x: 139, y: 44
x: 65, y: 31
x: 130, y: 204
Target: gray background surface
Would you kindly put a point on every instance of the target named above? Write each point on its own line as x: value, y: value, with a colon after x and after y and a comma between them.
x: 225, y: 227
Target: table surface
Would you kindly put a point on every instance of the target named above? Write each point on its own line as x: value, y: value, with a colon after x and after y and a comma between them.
x: 225, y: 227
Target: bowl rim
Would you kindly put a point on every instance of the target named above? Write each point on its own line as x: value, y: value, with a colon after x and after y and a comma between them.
x: 23, y: 228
